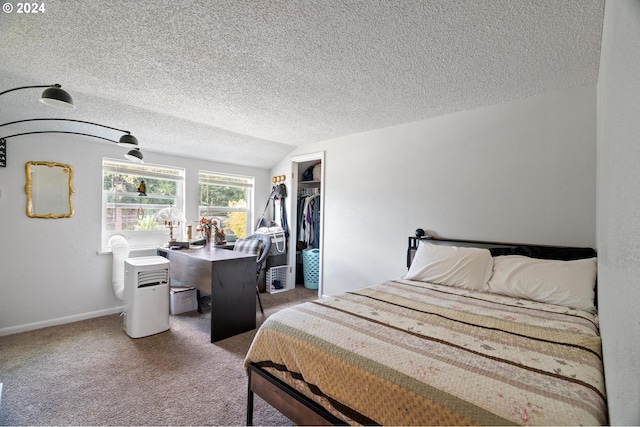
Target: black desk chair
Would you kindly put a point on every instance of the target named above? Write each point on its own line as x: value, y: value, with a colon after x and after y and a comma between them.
x: 260, y: 246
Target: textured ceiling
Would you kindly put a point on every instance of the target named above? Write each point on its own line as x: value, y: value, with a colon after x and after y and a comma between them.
x: 244, y: 82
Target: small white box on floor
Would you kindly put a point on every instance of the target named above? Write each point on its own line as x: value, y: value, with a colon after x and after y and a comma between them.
x: 182, y: 300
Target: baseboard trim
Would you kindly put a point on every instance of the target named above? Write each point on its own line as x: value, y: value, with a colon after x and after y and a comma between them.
x: 59, y: 321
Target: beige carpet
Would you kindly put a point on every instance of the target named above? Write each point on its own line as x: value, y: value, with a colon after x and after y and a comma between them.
x: 92, y: 373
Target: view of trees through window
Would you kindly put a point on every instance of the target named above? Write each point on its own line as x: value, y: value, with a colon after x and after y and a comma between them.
x: 226, y: 198
x: 125, y: 208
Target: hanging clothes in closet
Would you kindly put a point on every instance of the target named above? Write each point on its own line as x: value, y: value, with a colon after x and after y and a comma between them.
x: 309, y: 217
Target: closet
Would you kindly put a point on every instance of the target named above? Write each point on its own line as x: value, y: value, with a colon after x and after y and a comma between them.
x: 308, y: 222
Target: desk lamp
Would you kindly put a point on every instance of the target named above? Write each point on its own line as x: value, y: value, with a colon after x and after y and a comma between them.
x: 171, y: 217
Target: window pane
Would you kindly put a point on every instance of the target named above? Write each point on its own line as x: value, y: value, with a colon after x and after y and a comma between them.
x: 234, y: 222
x: 226, y: 198
x: 139, y: 215
x: 127, y: 212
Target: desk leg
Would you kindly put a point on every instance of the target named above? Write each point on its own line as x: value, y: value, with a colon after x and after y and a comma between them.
x: 233, y: 298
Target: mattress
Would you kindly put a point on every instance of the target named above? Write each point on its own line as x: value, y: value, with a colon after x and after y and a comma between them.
x: 413, y: 353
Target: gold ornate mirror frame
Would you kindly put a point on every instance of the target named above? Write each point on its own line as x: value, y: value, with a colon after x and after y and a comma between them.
x: 49, y: 190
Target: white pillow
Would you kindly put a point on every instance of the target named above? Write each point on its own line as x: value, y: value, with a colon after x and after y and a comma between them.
x: 468, y: 268
x: 568, y: 283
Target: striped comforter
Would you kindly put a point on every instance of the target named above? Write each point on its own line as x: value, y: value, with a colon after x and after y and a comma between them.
x: 414, y: 353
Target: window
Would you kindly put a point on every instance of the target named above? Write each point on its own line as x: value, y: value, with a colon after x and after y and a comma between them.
x: 126, y: 212
x: 227, y: 198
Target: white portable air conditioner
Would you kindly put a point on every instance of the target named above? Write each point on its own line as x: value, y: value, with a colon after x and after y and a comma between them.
x: 146, y: 296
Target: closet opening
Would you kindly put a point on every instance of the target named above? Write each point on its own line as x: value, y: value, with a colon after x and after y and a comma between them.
x: 307, y: 220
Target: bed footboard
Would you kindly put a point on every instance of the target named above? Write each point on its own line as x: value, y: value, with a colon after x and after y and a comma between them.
x: 293, y: 405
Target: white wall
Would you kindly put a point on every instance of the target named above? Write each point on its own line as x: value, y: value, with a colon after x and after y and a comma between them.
x: 50, y: 269
x: 619, y: 208
x: 517, y: 172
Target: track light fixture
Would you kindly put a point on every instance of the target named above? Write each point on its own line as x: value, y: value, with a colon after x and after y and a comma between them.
x: 53, y: 95
x: 134, y: 155
x: 126, y: 140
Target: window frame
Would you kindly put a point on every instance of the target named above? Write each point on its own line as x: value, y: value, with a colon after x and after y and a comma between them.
x: 141, y: 239
x: 249, y: 185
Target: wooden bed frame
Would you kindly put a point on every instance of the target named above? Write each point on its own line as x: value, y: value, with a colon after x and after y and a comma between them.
x: 292, y: 404
x: 303, y: 411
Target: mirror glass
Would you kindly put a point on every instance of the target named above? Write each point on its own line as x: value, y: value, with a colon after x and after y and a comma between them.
x: 49, y: 190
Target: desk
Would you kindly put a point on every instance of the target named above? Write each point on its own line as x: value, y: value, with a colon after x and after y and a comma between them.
x: 228, y: 276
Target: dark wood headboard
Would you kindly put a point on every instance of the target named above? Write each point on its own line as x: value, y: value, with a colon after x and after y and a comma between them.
x: 565, y: 253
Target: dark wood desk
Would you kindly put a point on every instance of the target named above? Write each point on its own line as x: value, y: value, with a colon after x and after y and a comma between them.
x: 228, y: 276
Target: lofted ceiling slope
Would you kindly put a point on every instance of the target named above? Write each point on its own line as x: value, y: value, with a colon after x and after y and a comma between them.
x: 246, y: 81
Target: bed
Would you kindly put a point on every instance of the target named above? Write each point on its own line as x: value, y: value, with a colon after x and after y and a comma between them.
x: 476, y: 333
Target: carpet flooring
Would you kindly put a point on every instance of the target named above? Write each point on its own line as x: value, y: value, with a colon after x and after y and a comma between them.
x: 92, y: 373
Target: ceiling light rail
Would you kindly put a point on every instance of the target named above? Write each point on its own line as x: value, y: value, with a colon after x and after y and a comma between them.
x: 126, y: 140
x: 135, y: 155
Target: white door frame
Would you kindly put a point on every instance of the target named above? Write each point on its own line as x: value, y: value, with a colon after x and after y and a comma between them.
x: 293, y: 214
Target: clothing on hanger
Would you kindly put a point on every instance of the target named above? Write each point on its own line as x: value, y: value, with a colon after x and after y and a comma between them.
x: 309, y: 217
